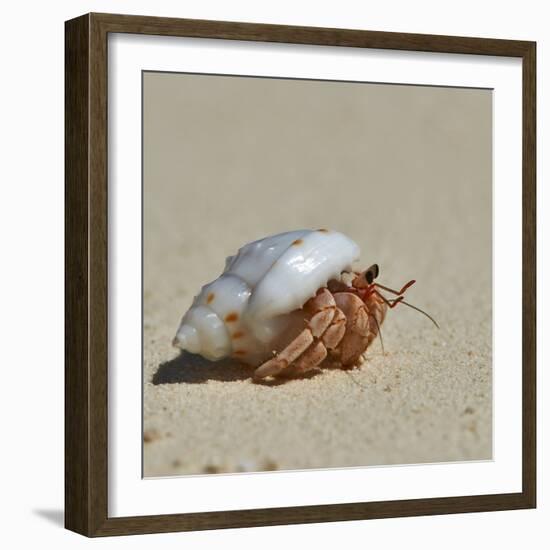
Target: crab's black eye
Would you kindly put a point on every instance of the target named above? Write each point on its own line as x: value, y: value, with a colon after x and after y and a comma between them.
x: 371, y: 273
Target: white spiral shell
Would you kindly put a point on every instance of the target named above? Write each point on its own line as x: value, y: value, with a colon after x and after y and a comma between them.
x: 255, y: 302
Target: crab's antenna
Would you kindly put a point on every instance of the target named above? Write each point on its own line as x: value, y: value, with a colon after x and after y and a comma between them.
x: 398, y: 292
x: 419, y: 310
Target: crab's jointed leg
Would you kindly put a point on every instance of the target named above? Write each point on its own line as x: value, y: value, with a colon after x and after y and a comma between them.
x: 318, y: 351
x: 312, y: 357
x: 298, y: 346
x: 335, y: 332
x: 324, y: 330
x: 356, y: 337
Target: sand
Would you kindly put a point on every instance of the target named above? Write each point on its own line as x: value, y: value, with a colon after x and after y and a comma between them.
x: 404, y: 171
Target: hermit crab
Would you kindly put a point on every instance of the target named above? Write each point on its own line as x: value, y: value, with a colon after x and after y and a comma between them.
x: 285, y: 302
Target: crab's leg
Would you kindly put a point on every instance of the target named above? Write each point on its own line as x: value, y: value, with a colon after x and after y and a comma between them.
x: 335, y: 332
x: 323, y: 310
x: 286, y: 357
x: 311, y: 358
x: 357, y: 333
x: 317, y: 352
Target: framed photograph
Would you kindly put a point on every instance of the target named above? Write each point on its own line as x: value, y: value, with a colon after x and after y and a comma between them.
x: 300, y: 274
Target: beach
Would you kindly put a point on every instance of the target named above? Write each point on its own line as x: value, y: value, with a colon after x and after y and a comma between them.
x: 405, y: 171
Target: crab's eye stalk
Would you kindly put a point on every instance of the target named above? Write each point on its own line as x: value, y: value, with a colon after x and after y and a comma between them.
x: 371, y: 273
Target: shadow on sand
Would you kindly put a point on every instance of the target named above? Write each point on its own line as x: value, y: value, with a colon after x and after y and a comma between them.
x: 194, y: 369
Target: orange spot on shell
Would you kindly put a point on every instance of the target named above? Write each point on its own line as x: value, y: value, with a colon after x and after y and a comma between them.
x: 238, y: 334
x: 297, y: 242
x: 323, y: 230
x: 232, y: 317
x: 210, y: 298
x: 239, y: 352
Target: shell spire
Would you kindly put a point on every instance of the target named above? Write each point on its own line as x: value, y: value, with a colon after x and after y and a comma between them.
x: 187, y: 338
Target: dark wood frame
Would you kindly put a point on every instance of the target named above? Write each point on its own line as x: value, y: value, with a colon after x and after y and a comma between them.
x: 86, y: 274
